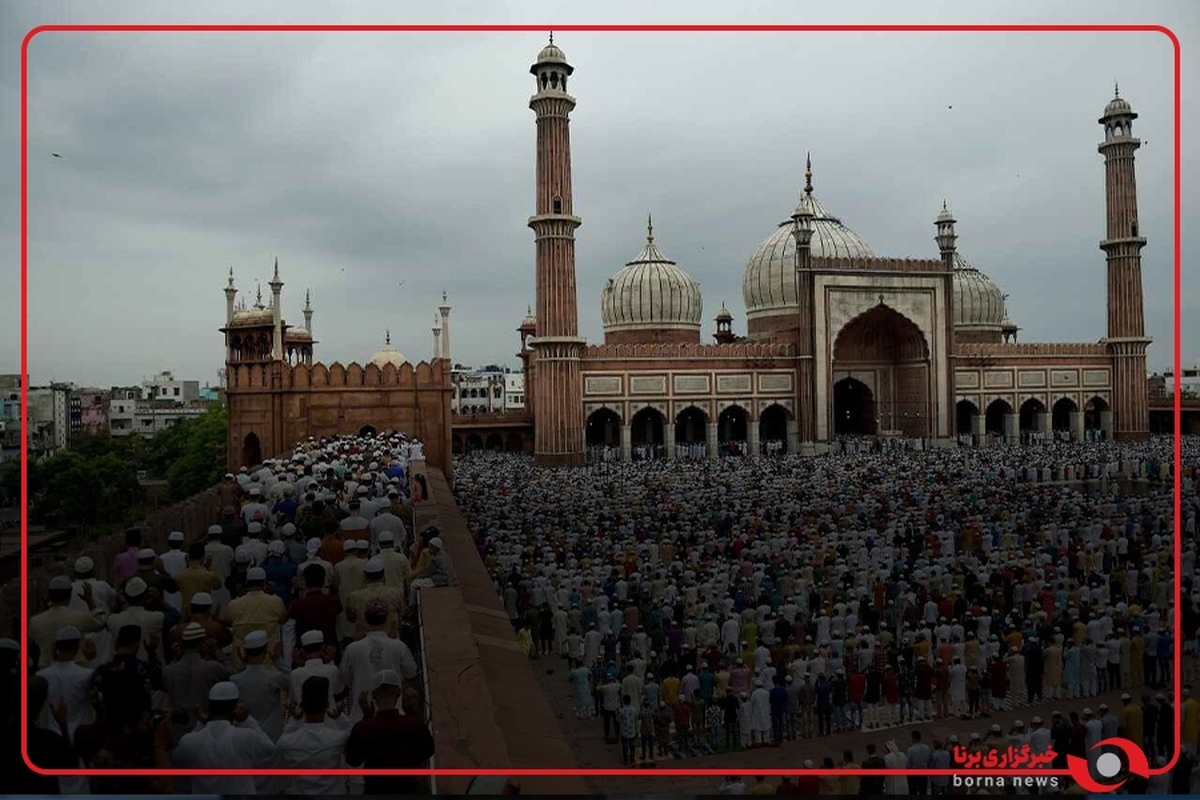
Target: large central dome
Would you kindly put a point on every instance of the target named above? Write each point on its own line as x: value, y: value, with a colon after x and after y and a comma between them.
x: 769, y: 282
x: 651, y: 299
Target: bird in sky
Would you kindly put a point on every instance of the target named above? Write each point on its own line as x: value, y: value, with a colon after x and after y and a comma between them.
x: 56, y: 155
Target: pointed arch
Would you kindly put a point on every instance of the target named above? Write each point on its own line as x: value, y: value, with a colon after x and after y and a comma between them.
x: 691, y: 425
x: 371, y: 375
x: 1060, y: 417
x: 1029, y: 414
x: 997, y: 412
x: 965, y: 413
x: 603, y: 428
x: 733, y: 424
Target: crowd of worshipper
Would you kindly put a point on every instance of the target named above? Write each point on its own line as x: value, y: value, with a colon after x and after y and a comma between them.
x: 279, y: 638
x: 716, y: 605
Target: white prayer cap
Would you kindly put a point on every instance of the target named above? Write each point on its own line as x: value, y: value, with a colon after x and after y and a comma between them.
x: 194, y: 631
x: 202, y: 599
x: 255, y: 640
x: 386, y: 536
x: 136, y: 587
x: 256, y: 574
x: 223, y: 691
x: 68, y: 633
x: 373, y: 567
x: 254, y: 527
x: 348, y: 545
x: 288, y: 530
x: 386, y: 677
x: 255, y: 491
x: 436, y: 542
x: 276, y: 548
x: 83, y: 565
x: 215, y: 530
x: 146, y: 554
x: 312, y: 637
x: 175, y: 536
x: 9, y: 644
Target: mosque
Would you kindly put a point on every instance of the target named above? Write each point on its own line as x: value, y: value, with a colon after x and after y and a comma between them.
x: 839, y: 340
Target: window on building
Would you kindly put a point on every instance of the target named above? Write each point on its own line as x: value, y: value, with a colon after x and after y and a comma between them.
x: 177, y: 391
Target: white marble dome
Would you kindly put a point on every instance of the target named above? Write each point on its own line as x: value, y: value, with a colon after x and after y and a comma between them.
x: 978, y: 301
x: 298, y: 334
x: 769, y: 281
x: 388, y: 354
x: 651, y: 292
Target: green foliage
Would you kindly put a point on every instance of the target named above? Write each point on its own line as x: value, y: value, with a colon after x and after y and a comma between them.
x: 96, y: 480
x: 200, y: 444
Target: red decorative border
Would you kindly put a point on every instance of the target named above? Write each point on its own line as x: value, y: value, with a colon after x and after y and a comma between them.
x: 1177, y: 249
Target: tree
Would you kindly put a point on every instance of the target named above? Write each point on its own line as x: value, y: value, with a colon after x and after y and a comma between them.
x: 200, y: 461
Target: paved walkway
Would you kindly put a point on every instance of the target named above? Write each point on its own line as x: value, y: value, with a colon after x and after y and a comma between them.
x: 586, y: 738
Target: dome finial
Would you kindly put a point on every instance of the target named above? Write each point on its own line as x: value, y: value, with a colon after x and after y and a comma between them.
x: 551, y: 37
x: 808, y: 173
x: 1116, y: 88
x: 387, y: 336
x: 529, y: 308
x: 276, y: 267
x: 259, y: 303
x: 649, y: 228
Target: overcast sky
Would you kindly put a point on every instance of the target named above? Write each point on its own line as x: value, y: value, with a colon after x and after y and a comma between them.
x: 382, y: 168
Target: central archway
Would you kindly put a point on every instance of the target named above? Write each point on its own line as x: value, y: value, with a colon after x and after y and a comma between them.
x: 886, y: 354
x: 853, y: 408
x: 251, y: 450
x: 603, y: 428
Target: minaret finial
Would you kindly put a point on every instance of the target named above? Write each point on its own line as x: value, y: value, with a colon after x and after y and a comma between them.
x: 444, y: 301
x: 808, y: 173
x: 259, y: 295
x: 387, y: 336
x: 944, y: 208
x: 276, y: 267
x: 308, y: 298
x: 551, y: 37
x: 529, y: 309
x: 649, y: 228
x: 1116, y: 88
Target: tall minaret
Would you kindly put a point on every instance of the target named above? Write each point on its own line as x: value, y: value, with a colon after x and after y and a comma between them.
x: 276, y: 315
x: 437, y: 337
x: 444, y: 309
x: 558, y: 390
x: 806, y: 401
x: 1123, y: 245
x: 230, y: 297
x: 308, y: 311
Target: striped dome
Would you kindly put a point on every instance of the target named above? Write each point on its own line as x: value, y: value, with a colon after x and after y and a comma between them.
x: 978, y: 301
x: 651, y: 292
x: 769, y: 282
